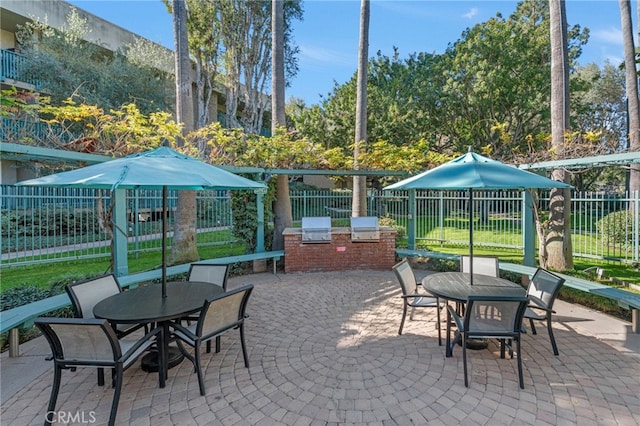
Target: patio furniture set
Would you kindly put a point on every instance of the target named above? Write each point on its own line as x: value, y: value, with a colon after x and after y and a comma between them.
x: 484, y: 305
x: 191, y: 313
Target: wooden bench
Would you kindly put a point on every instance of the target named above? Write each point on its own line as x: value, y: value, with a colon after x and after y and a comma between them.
x: 23, y: 316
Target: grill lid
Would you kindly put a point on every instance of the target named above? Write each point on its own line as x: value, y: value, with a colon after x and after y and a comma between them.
x: 316, y: 229
x: 365, y: 229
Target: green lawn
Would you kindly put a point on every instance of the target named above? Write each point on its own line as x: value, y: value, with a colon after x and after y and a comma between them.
x: 43, y: 275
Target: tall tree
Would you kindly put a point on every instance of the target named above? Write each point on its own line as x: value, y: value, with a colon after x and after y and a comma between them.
x: 184, y: 248
x: 632, y: 90
x: 283, y: 217
x: 359, y: 205
x: 555, y: 249
x: 205, y: 49
x: 246, y: 34
x: 245, y: 29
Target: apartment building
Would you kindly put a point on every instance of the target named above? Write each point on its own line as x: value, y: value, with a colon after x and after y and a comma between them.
x: 13, y: 14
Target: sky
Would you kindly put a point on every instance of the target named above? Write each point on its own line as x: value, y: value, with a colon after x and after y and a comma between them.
x: 328, y: 35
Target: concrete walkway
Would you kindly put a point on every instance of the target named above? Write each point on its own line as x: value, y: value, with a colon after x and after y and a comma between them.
x: 324, y: 349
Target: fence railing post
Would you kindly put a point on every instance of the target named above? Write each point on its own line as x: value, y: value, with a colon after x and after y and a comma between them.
x: 411, y: 220
x: 528, y: 231
x: 120, y: 240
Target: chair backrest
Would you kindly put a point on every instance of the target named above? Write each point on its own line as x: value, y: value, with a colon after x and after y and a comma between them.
x: 85, y: 294
x: 81, y: 341
x: 494, y: 316
x: 406, y: 277
x: 544, y: 288
x: 214, y: 274
x: 223, y: 311
x: 482, y: 265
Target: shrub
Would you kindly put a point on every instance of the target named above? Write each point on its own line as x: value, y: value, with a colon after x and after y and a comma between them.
x: 23, y: 295
x: 616, y: 228
x: 19, y: 296
x: 49, y: 221
x: 401, y: 231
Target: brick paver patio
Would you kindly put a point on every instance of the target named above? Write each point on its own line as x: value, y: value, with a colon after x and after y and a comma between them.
x: 324, y: 349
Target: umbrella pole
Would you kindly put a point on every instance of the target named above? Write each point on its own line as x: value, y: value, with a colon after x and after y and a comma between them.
x: 164, y: 241
x: 471, y: 235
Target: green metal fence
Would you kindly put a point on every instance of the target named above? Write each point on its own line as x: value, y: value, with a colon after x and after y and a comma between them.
x: 53, y: 224
x: 604, y: 226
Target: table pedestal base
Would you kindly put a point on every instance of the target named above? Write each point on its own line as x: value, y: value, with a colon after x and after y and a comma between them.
x: 149, y: 362
x: 477, y: 344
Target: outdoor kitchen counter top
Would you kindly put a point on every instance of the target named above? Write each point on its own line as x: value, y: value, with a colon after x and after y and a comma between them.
x: 335, y: 230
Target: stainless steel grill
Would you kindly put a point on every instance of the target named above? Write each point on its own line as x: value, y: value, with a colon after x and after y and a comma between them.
x: 316, y: 229
x: 365, y: 229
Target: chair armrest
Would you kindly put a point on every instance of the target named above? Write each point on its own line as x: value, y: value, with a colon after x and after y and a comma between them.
x: 456, y: 317
x: 532, y: 306
x: 181, y: 328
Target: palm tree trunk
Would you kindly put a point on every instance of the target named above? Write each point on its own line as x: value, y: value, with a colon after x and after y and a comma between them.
x: 359, y: 207
x: 184, y: 248
x: 558, y: 240
x: 282, y: 209
x: 631, y: 82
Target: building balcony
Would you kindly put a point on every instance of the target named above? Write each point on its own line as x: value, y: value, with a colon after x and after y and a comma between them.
x: 13, y: 70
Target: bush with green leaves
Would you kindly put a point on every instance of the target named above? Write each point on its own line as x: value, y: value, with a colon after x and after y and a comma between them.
x: 616, y: 228
x: 20, y: 296
x: 245, y: 217
x: 401, y: 231
x: 48, y: 221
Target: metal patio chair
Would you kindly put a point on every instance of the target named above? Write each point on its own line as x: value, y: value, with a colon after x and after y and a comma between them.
x: 411, y: 298
x: 86, y: 294
x: 542, y: 292
x: 213, y: 274
x: 490, y: 317
x: 219, y: 314
x: 90, y: 342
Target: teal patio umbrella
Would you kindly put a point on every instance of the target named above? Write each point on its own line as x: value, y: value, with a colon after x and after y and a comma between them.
x: 161, y: 168
x: 473, y: 172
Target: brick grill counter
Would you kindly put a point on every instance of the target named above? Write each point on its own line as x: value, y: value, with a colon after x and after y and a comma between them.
x: 340, y: 254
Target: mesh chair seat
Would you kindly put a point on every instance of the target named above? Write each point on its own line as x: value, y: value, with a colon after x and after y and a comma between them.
x: 533, y: 315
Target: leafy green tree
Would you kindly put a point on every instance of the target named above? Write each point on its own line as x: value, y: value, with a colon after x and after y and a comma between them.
x: 79, y: 126
x: 245, y: 30
x: 598, y: 122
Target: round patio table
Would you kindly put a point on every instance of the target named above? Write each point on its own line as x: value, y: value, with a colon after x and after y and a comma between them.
x: 145, y: 304
x: 457, y: 287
